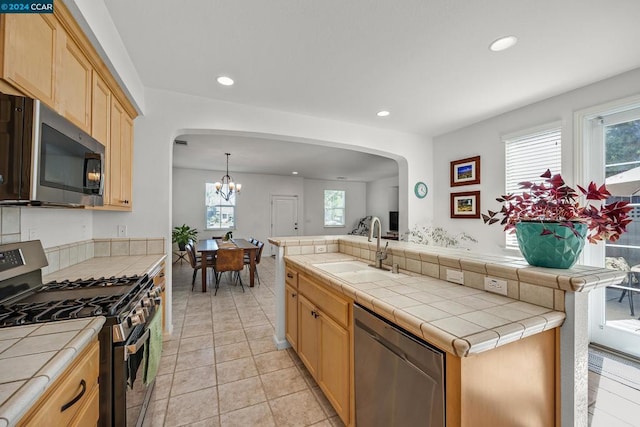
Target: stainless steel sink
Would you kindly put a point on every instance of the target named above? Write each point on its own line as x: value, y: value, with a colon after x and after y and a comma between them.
x: 357, y: 271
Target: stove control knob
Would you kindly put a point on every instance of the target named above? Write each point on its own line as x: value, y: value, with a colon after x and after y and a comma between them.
x: 156, y: 292
x: 134, y: 320
x: 141, y: 313
x: 157, y: 300
x: 145, y: 302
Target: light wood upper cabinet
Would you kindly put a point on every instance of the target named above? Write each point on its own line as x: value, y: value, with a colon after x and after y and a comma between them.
x: 48, y: 57
x: 73, y: 95
x: 120, y: 153
x: 31, y: 54
x: 100, y: 109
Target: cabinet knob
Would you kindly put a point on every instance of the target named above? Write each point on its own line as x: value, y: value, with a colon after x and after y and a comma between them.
x: 290, y: 276
x: 294, y: 295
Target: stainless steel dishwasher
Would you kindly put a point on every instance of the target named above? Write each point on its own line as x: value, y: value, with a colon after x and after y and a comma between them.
x: 399, y: 379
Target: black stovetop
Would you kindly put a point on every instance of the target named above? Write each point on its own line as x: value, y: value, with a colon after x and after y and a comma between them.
x: 74, y: 299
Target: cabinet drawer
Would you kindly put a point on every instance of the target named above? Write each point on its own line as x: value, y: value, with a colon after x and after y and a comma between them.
x: 329, y: 303
x: 48, y: 410
x: 291, y: 277
x: 90, y: 412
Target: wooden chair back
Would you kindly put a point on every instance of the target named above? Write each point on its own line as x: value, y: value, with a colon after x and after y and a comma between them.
x: 231, y: 259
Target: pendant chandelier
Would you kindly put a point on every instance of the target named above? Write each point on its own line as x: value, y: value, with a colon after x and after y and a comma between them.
x: 227, y: 187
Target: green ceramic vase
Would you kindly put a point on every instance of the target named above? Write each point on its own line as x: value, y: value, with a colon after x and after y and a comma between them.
x: 548, y: 250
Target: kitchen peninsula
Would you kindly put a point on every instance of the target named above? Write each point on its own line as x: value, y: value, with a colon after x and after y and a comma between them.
x: 538, y: 301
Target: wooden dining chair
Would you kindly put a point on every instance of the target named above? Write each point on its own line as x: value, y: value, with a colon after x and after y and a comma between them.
x: 231, y: 259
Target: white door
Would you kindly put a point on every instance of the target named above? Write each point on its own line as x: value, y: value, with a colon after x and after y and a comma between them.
x: 614, y: 146
x: 284, y: 216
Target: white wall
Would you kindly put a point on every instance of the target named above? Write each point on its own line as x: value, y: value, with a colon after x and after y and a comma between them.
x: 356, y: 205
x: 484, y: 139
x: 171, y: 114
x: 382, y: 197
x: 253, y: 206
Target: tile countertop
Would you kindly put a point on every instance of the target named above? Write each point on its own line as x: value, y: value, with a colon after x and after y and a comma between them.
x: 458, y: 319
x: 579, y: 278
x: 108, y: 266
x: 32, y: 357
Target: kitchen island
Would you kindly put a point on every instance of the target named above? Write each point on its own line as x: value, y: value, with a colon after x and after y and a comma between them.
x: 542, y: 293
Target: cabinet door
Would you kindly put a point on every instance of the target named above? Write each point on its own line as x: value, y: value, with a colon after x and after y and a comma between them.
x: 308, y: 335
x: 120, y: 148
x: 73, y: 96
x: 100, y: 109
x: 115, y: 137
x: 30, y: 54
x: 333, y: 371
x: 126, y: 161
x: 291, y: 313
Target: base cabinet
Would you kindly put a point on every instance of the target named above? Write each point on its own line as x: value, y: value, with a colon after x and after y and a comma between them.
x: 514, y: 384
x: 73, y: 400
x: 291, y: 308
x: 318, y: 327
x: 334, y: 372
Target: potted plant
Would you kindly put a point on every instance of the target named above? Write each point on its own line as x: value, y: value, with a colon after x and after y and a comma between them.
x: 551, y: 225
x: 182, y: 234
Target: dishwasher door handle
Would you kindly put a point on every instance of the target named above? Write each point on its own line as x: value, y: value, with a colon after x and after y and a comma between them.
x: 401, y: 356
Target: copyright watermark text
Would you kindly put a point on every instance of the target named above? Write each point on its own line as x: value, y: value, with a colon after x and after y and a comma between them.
x: 26, y: 6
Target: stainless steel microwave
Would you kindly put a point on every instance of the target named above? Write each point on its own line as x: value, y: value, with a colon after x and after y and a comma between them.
x: 45, y: 160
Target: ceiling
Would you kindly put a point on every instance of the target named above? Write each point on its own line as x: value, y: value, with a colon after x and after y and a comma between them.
x: 426, y: 61
x: 272, y: 157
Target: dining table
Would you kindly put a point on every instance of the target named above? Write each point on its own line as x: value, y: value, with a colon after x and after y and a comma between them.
x: 209, y: 247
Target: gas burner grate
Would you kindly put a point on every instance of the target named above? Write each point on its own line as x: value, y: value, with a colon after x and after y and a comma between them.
x: 91, y: 283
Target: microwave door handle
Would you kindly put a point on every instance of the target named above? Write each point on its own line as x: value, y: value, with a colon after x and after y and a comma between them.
x: 101, y: 190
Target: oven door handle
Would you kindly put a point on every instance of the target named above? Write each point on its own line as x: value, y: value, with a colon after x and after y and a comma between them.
x: 133, y: 348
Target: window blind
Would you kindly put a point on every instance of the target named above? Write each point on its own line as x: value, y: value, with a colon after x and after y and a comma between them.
x: 529, y: 156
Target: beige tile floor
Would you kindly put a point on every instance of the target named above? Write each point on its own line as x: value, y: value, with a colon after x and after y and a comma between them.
x: 221, y: 368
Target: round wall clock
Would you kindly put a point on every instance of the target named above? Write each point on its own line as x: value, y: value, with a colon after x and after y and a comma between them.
x: 421, y: 190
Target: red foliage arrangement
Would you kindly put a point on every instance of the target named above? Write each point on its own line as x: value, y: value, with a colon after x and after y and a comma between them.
x: 553, y: 200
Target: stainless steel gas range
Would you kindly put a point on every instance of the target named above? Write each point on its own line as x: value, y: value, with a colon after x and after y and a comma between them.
x: 128, y: 303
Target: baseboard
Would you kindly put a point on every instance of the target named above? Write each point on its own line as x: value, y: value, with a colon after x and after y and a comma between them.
x: 281, y: 344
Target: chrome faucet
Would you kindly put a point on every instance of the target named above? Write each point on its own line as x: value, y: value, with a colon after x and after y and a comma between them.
x: 380, y: 254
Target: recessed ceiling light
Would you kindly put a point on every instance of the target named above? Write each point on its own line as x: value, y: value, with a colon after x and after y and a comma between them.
x: 225, y: 81
x: 383, y: 113
x: 294, y: 173
x: 503, y: 43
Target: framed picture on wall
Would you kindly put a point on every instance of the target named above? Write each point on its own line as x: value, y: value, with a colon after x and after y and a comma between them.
x: 465, y: 204
x: 465, y: 171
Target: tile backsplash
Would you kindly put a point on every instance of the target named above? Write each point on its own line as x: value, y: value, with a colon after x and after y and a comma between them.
x: 63, y: 256
x: 9, y: 224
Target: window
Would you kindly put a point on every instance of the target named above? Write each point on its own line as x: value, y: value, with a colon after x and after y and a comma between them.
x: 221, y: 214
x: 334, y: 204
x: 527, y: 157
